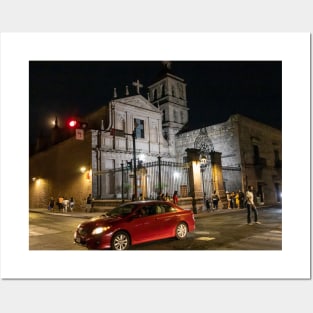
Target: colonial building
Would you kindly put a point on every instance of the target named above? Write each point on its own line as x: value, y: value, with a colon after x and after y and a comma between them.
x: 140, y: 145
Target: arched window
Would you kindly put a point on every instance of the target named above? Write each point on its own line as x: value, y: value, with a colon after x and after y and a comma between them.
x: 162, y: 91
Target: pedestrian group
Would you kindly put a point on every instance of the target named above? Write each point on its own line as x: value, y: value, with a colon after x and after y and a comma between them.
x: 234, y: 200
x: 63, y: 204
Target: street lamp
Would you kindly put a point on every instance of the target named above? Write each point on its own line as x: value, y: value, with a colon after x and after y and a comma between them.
x: 176, y: 176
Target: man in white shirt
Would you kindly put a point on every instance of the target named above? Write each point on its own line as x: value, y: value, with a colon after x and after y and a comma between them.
x: 251, y: 205
x: 66, y: 204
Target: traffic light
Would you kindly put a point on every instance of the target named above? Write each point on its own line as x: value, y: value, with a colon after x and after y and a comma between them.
x: 83, y: 125
x: 129, y: 165
x: 73, y: 124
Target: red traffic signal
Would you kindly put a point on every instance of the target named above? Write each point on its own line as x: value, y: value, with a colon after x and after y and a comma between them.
x: 73, y: 123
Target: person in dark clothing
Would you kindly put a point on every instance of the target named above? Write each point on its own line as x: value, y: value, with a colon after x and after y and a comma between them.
x: 88, y: 203
x: 207, y: 204
x: 60, y: 203
x: 241, y: 199
x: 251, y: 206
x: 72, y: 204
x: 51, y: 204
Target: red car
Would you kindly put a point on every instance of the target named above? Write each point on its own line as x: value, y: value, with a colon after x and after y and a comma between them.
x: 133, y: 223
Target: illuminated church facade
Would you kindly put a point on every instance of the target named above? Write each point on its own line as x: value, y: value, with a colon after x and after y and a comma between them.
x: 140, y: 144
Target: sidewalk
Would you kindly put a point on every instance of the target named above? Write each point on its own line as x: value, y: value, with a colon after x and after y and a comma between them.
x: 79, y: 214
x: 88, y: 215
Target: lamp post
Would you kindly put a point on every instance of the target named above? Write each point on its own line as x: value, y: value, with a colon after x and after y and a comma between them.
x: 98, y: 163
x: 122, y: 166
x: 159, y: 165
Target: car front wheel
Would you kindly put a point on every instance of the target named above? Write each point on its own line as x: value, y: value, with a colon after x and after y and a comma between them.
x: 181, y: 231
x: 120, y: 241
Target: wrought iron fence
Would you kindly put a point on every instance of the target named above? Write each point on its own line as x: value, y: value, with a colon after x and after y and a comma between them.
x: 153, y: 178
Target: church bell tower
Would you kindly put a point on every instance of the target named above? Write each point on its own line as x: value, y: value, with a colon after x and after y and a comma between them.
x: 168, y: 93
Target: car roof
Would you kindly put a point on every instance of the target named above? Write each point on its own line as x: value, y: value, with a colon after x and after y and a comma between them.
x: 150, y: 201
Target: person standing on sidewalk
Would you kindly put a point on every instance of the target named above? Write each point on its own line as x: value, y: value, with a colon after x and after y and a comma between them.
x: 51, y: 204
x: 66, y: 204
x: 72, y: 204
x: 215, y: 200
x: 241, y: 199
x: 60, y: 203
x: 251, y: 206
x: 175, y: 197
x: 88, y: 203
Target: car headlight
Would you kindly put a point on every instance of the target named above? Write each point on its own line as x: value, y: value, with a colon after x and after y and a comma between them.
x: 100, y: 230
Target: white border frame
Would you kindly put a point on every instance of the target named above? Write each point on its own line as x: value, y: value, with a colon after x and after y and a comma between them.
x: 293, y: 262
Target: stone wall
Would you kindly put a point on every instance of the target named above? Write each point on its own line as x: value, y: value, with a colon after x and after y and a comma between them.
x: 265, y: 171
x: 235, y: 139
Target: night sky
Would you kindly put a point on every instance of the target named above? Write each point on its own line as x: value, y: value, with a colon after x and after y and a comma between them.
x: 215, y: 89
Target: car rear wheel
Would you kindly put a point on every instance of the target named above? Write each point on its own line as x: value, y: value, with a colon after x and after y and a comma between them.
x: 120, y: 241
x: 181, y: 231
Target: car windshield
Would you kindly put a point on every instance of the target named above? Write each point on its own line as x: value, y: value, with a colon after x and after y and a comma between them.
x: 121, y: 211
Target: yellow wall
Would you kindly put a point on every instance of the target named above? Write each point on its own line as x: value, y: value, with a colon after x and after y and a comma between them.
x: 57, y: 172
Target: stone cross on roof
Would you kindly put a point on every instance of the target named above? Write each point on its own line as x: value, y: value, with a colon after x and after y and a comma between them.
x: 137, y: 85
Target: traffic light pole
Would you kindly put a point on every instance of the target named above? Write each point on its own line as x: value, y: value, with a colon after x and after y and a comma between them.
x: 135, y: 167
x: 133, y: 134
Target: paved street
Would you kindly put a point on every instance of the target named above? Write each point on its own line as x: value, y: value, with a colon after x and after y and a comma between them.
x: 228, y: 230
x: 224, y: 230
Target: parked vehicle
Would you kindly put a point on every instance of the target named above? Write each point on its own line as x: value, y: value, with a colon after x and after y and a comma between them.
x: 134, y: 223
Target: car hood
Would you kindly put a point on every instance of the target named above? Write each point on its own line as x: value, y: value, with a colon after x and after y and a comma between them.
x: 100, y: 221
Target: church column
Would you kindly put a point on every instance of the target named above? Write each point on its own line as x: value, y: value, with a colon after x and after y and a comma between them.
x: 217, y: 177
